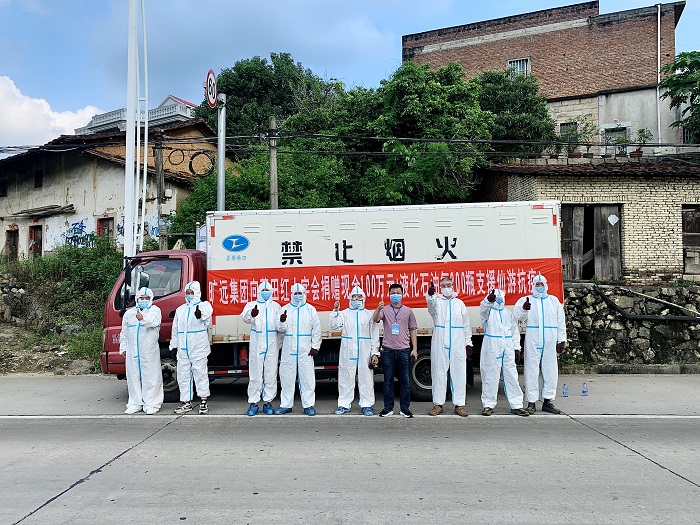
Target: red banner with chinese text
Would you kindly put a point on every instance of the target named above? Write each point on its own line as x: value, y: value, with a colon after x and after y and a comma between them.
x: 230, y: 290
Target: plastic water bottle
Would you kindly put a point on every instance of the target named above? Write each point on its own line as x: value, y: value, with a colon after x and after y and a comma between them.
x: 584, y: 391
x: 565, y: 390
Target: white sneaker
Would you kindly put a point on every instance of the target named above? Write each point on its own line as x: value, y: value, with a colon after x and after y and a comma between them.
x: 151, y: 410
x: 132, y: 410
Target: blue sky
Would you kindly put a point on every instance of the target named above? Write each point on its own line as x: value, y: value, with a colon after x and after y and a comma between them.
x: 61, y: 61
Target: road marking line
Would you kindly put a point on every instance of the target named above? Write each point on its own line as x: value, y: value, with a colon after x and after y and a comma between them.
x: 344, y: 416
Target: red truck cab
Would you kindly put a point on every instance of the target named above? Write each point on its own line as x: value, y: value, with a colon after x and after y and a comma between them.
x: 166, y: 273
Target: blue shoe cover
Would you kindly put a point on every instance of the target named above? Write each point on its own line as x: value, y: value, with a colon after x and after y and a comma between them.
x: 282, y: 410
x: 309, y: 411
x: 253, y: 410
x: 367, y: 411
x: 268, y: 410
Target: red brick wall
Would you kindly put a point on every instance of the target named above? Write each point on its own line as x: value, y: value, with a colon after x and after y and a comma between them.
x: 613, y: 51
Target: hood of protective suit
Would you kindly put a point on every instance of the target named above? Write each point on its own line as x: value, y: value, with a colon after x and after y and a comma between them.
x: 358, y: 291
x: 194, y: 286
x: 538, y: 278
x: 297, y: 287
x: 264, y: 286
x: 145, y: 292
x: 499, y: 293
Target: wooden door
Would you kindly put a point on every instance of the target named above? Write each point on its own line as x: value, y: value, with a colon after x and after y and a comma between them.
x: 572, y: 220
x: 11, y: 244
x: 607, y: 250
x: 35, y: 241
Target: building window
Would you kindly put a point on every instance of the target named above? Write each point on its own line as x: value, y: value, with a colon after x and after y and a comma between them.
x: 38, y: 178
x: 691, y: 240
x: 3, y: 187
x: 567, y: 127
x: 520, y: 66
x: 687, y: 137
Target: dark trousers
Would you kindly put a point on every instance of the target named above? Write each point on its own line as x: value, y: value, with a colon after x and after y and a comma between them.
x: 395, y: 362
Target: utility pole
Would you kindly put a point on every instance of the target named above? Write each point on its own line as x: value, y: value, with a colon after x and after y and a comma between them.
x: 160, y: 189
x: 272, y: 135
x: 221, y: 154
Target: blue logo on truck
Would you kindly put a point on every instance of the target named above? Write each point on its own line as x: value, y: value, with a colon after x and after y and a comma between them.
x: 235, y: 243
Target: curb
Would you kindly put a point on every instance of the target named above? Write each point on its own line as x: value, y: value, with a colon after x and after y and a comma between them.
x: 613, y: 368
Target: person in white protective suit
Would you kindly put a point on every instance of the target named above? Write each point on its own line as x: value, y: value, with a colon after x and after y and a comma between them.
x: 190, y: 344
x: 545, y: 337
x: 302, y: 341
x: 139, y: 341
x: 500, y: 350
x: 450, y: 345
x: 359, y: 352
x: 263, y: 315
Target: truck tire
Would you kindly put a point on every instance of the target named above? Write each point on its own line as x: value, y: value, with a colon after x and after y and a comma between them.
x: 419, y: 379
x: 171, y: 391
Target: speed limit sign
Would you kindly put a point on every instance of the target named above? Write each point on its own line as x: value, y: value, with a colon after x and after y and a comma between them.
x: 210, y: 88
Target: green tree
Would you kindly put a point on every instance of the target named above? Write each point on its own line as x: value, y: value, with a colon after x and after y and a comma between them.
x: 682, y: 85
x: 440, y: 110
x: 257, y: 89
x: 520, y: 111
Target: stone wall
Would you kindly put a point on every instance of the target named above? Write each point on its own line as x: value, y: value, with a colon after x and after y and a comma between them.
x: 598, y: 334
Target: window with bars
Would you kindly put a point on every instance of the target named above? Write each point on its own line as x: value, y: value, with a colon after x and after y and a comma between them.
x: 520, y: 66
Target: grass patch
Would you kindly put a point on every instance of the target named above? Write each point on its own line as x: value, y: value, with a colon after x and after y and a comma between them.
x: 86, y: 344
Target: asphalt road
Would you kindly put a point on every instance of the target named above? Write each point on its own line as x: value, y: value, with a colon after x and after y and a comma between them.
x: 629, y: 452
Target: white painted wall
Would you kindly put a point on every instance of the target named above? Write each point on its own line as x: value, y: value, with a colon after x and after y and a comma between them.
x: 94, y: 186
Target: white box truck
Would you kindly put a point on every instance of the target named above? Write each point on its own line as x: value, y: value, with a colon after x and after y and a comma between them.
x: 480, y: 245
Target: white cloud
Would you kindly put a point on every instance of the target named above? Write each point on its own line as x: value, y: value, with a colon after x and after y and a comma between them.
x: 31, y: 122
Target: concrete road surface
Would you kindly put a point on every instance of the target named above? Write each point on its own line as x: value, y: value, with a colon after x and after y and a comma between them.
x: 629, y: 452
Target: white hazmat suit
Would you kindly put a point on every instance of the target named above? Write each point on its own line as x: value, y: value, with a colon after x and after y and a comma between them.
x: 263, y: 356
x: 545, y: 327
x: 501, y: 340
x: 359, y: 341
x: 139, y: 341
x: 302, y: 332
x: 191, y: 339
x: 451, y: 335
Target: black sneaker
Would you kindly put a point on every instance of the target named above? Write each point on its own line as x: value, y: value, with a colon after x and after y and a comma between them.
x: 531, y: 408
x: 386, y: 413
x: 519, y: 412
x: 548, y: 406
x: 406, y: 413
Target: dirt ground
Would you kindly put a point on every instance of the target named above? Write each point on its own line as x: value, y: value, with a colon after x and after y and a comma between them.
x: 19, y: 355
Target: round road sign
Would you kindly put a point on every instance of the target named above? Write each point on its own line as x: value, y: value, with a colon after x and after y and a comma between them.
x: 210, y: 88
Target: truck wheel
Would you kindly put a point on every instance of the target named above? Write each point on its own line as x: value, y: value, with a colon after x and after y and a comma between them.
x: 419, y: 379
x: 171, y: 391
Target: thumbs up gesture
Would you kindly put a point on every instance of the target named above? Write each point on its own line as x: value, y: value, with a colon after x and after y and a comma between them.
x: 254, y: 312
x: 197, y: 312
x: 527, y: 305
x: 431, y: 289
x: 283, y: 317
x: 491, y: 297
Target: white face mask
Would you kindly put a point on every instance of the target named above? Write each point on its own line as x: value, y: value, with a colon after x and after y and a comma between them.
x: 447, y: 291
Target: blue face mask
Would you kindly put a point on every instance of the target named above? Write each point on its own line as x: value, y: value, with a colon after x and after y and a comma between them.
x: 396, y: 298
x: 189, y: 298
x: 355, y: 305
x: 499, y: 300
x: 143, y: 304
x: 539, y: 289
x: 265, y: 295
x: 297, y: 299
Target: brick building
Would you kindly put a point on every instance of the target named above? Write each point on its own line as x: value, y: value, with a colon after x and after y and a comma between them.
x: 605, y: 66
x: 631, y: 220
